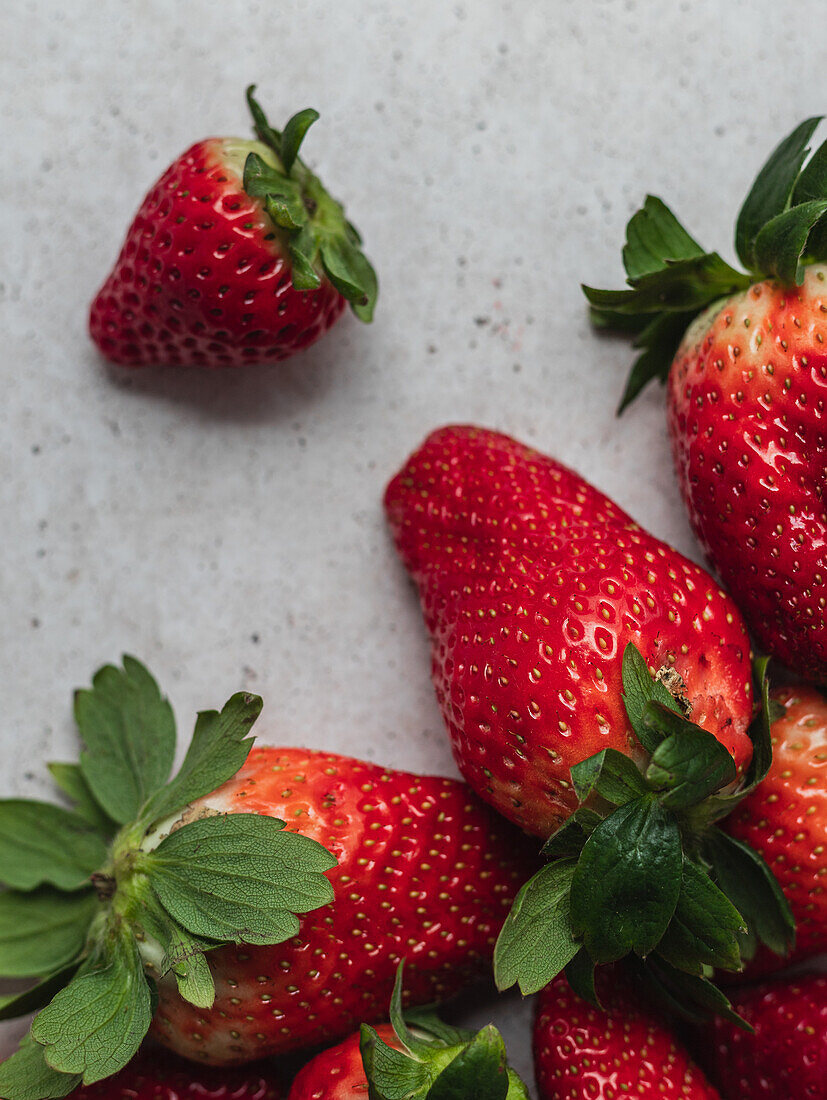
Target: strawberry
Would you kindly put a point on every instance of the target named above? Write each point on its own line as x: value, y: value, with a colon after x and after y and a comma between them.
x: 744, y: 359
x: 785, y: 817
x: 623, y: 1048
x: 157, y: 1075
x: 237, y: 255
x: 426, y: 1059
x: 569, y: 649
x: 181, y: 899
x: 424, y: 871
x: 785, y: 1058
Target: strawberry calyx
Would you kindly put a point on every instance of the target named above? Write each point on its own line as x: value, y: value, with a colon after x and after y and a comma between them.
x: 782, y: 227
x: 434, y: 1061
x: 106, y: 899
x: 640, y: 868
x: 311, y: 225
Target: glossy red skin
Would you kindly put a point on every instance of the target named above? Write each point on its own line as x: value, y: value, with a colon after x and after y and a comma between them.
x: 532, y: 582
x: 786, y: 1058
x: 338, y: 1073
x: 581, y: 1051
x: 155, y: 1074
x: 425, y: 872
x: 746, y: 399
x: 785, y: 820
x: 197, y: 283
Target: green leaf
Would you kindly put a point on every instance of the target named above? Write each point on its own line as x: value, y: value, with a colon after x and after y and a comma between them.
x: 771, y: 192
x: 26, y: 1076
x: 188, y: 963
x: 693, y: 997
x: 690, y: 764
x: 580, y: 976
x: 239, y: 878
x: 627, y: 881
x: 753, y: 889
x: 43, y: 930
x: 660, y: 339
x: 341, y: 263
x: 129, y: 732
x: 96, y: 1023
x: 681, y: 286
x: 654, y: 236
x: 37, y: 996
x: 70, y: 779
x: 303, y: 251
x: 704, y: 929
x: 262, y: 127
x: 782, y: 243
x: 281, y: 196
x: 45, y: 844
x: 812, y: 185
x: 612, y: 774
x: 479, y: 1070
x: 293, y: 135
x: 569, y: 839
x: 364, y: 307
x: 639, y: 689
x: 535, y: 942
x: 219, y: 747
x: 407, y: 1038
x: 392, y: 1073
x: 609, y: 321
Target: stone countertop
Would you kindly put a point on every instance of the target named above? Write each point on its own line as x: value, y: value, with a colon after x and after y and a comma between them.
x: 227, y: 528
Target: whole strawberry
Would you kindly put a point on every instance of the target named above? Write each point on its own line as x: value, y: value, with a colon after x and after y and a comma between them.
x: 237, y: 255
x: 745, y: 363
x: 623, y: 1048
x: 424, y: 871
x: 415, y: 1058
x: 785, y: 1057
x: 785, y: 817
x: 180, y: 899
x: 157, y: 1075
x: 570, y: 650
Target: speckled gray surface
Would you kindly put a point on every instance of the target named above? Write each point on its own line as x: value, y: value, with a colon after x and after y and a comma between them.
x: 227, y: 528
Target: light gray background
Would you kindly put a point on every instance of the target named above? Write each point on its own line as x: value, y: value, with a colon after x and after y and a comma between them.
x: 227, y: 528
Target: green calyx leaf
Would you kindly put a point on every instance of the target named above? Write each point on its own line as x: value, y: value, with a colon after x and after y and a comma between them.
x: 640, y: 689
x: 782, y: 226
x: 312, y: 226
x: 98, y: 906
x: 536, y: 941
x: 432, y: 1061
x: 689, y: 764
x: 704, y: 927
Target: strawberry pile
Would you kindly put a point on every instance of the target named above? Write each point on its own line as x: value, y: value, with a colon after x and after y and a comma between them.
x: 641, y: 833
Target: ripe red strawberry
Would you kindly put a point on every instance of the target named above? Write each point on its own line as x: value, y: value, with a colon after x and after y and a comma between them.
x: 237, y: 255
x: 785, y: 818
x: 745, y: 390
x: 786, y: 1057
x: 624, y: 1048
x: 532, y: 582
x: 195, y: 887
x: 338, y: 1073
x: 569, y: 646
x: 155, y: 1074
x: 424, y: 872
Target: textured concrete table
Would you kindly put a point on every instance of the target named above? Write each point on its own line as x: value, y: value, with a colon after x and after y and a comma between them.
x: 227, y: 528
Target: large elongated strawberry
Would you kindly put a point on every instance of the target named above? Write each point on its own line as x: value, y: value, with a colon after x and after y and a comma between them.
x: 119, y: 908
x: 569, y: 647
x: 237, y: 255
x: 418, y: 1059
x: 785, y: 818
x: 785, y: 1055
x: 624, y: 1047
x: 745, y: 360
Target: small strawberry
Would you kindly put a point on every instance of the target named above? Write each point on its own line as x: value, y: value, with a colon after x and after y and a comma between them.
x: 622, y: 1049
x: 118, y: 909
x: 569, y: 647
x: 426, y: 1059
x: 237, y: 255
x: 155, y: 1074
x: 745, y: 361
x: 785, y: 817
x: 785, y: 1058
